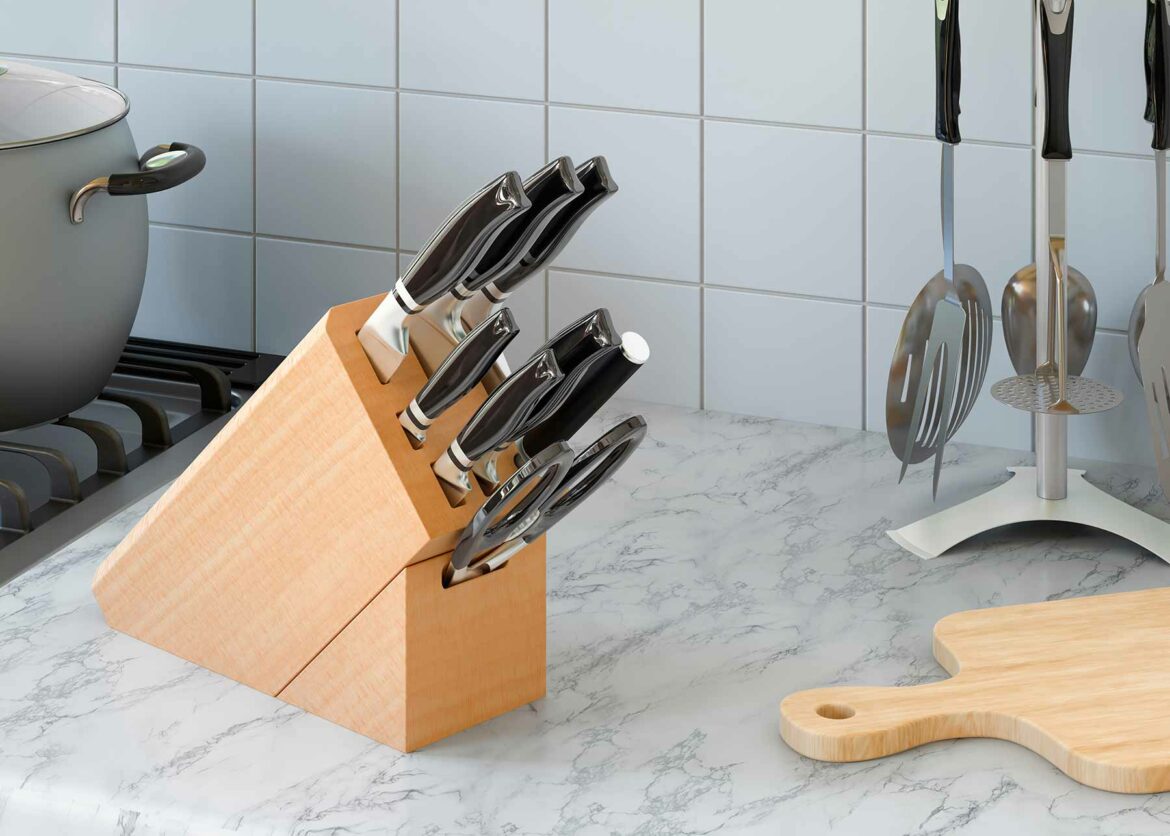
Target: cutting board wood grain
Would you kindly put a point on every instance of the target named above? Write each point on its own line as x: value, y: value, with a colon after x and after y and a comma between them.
x: 1083, y: 682
x: 297, y: 524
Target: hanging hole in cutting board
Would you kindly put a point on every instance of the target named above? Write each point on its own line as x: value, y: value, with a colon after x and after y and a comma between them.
x: 832, y: 711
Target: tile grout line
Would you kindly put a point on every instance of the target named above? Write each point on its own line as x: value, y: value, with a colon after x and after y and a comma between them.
x: 255, y: 199
x: 864, y: 215
x: 397, y: 138
x: 547, y: 154
x: 702, y: 206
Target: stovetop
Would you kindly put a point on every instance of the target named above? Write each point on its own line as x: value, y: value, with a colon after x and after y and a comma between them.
x: 161, y: 406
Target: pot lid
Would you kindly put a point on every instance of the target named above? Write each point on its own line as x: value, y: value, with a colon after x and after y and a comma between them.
x: 39, y: 105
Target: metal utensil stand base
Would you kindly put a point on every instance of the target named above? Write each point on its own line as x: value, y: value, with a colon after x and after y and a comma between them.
x: 1046, y: 491
x: 1016, y: 501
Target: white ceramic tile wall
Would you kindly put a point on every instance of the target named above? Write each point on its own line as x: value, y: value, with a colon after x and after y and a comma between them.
x: 778, y: 203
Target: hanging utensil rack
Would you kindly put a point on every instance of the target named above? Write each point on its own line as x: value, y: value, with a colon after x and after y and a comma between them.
x: 1050, y: 490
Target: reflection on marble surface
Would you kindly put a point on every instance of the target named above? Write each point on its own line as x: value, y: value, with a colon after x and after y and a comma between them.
x: 734, y: 560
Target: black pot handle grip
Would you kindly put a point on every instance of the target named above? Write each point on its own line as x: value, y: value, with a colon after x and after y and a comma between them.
x: 1158, y: 62
x: 162, y: 167
x: 948, y: 71
x: 1056, y: 34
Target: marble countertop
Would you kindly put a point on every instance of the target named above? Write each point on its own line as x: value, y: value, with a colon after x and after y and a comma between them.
x: 732, y: 561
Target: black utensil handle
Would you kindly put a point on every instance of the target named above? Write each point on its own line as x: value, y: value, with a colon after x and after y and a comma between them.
x: 499, y: 419
x: 467, y: 363
x: 1160, y: 77
x: 598, y: 186
x: 1148, y: 59
x: 1056, y: 34
x: 948, y: 71
x: 602, y: 381
x: 459, y: 241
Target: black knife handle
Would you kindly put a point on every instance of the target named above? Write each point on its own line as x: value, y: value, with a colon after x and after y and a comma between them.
x: 1160, y: 77
x: 1149, y: 59
x: 466, y: 365
x: 599, y: 384
x: 454, y: 246
x: 582, y: 375
x: 948, y: 71
x: 548, y: 190
x: 1056, y: 34
x: 500, y: 418
x: 578, y: 340
x: 597, y: 186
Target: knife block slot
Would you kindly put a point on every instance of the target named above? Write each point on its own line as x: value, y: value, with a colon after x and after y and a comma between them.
x: 341, y: 515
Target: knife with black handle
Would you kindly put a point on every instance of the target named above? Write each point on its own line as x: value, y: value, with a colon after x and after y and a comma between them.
x: 604, y: 376
x: 498, y: 421
x: 463, y: 368
x: 548, y: 190
x: 573, y: 346
x: 438, y: 267
x: 598, y: 186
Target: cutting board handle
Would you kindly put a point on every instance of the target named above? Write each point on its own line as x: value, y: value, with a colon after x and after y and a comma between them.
x: 862, y: 723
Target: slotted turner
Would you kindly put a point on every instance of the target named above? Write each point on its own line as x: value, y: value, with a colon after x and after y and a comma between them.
x: 940, y: 361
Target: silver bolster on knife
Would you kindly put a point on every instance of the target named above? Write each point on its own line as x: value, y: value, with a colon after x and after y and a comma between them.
x: 384, y: 336
x: 452, y: 467
x: 415, y: 423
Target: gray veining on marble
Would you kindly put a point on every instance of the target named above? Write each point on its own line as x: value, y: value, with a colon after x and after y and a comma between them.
x: 734, y: 560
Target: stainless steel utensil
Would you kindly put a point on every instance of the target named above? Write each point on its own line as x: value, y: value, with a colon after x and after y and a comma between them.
x: 1052, y: 388
x: 1153, y: 333
x: 1157, y: 111
x: 943, y: 351
x: 1019, y: 302
x: 1154, y: 354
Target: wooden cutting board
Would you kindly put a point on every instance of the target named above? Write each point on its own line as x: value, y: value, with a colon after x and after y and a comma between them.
x: 1083, y: 682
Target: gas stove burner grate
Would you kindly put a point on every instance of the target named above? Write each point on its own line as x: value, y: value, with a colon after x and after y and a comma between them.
x: 163, y: 396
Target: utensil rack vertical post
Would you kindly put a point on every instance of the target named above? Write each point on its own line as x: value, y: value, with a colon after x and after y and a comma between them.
x: 1053, y: 496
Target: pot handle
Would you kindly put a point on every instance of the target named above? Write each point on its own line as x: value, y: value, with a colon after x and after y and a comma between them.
x: 162, y: 167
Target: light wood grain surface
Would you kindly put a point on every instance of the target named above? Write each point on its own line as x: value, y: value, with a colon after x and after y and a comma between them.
x: 1083, y: 682
x: 422, y: 662
x: 299, y: 513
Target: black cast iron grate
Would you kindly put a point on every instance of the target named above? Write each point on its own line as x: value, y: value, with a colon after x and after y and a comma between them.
x: 219, y: 375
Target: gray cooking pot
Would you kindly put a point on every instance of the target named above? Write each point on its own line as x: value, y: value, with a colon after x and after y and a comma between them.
x: 73, y: 237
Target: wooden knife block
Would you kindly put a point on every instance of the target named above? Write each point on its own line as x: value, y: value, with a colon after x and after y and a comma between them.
x: 301, y: 554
